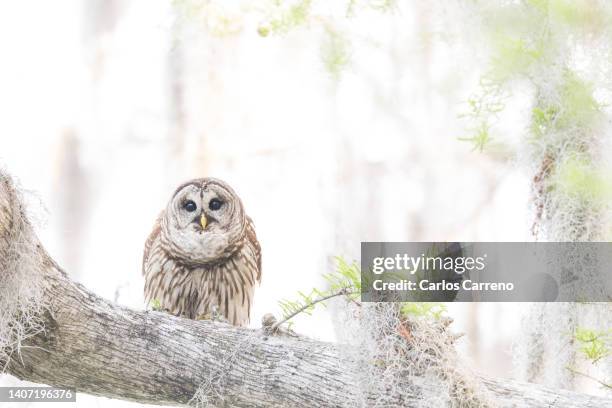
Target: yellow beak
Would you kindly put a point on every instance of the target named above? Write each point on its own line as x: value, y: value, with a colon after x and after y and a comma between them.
x: 203, y: 221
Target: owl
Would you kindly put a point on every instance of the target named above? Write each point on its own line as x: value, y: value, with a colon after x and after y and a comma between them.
x: 203, y: 255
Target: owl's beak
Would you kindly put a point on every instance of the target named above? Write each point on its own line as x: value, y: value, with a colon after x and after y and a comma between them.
x: 203, y: 221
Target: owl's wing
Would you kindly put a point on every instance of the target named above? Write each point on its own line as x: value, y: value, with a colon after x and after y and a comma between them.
x: 149, y: 242
x: 252, y: 237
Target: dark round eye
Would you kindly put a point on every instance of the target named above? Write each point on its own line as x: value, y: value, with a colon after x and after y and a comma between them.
x: 190, y: 206
x: 215, y: 204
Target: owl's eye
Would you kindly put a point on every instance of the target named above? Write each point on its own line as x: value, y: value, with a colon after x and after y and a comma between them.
x: 215, y: 204
x: 190, y: 206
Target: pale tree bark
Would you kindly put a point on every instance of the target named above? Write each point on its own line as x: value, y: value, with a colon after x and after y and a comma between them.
x: 99, y: 348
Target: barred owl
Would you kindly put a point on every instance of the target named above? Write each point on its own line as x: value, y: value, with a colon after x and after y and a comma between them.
x: 203, y: 255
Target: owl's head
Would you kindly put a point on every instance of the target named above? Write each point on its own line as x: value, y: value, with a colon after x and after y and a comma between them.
x: 204, y: 221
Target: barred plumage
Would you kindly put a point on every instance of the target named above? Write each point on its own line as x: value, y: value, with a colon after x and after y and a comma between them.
x: 203, y: 253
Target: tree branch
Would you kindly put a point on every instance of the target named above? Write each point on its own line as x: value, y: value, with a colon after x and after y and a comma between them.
x: 103, y: 349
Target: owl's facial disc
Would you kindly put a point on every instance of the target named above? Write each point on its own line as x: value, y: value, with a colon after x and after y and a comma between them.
x: 204, y: 218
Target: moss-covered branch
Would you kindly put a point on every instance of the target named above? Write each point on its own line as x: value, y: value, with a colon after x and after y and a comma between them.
x: 99, y: 348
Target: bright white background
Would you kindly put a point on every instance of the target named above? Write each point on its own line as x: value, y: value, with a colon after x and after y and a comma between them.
x: 106, y: 106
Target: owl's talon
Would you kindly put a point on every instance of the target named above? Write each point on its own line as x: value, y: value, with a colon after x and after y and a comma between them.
x: 213, y: 316
x: 270, y: 326
x: 220, y: 319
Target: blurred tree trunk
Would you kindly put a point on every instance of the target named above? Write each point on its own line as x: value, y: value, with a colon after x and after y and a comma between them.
x: 71, y: 187
x: 178, y: 122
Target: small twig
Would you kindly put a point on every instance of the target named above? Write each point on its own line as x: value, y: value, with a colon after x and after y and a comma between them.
x: 341, y: 292
x: 590, y: 377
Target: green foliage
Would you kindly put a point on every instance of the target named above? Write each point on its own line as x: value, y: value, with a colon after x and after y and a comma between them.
x: 577, y: 177
x: 594, y: 345
x: 156, y: 305
x: 574, y: 107
x: 335, y: 52
x: 482, y: 109
x: 215, y: 16
x: 535, y: 41
x: 542, y: 120
x: 489, y: 100
x: 346, y: 276
x: 189, y: 8
x: 284, y: 17
x: 512, y: 56
x: 576, y: 14
x: 383, y: 5
x: 432, y: 310
x: 578, y: 106
x: 344, y: 280
x: 305, y: 303
x: 378, y: 5
x: 480, y: 138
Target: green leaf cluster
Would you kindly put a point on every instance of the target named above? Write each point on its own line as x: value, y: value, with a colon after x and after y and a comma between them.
x: 594, y: 345
x: 335, y: 52
x: 345, y: 281
x: 285, y: 17
x: 480, y: 137
x: 156, y: 305
x: 434, y: 310
x: 578, y: 177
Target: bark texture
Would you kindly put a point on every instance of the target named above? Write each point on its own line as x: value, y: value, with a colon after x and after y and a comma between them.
x: 99, y: 348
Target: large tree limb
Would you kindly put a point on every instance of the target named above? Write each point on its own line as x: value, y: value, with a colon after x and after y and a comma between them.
x: 103, y: 349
